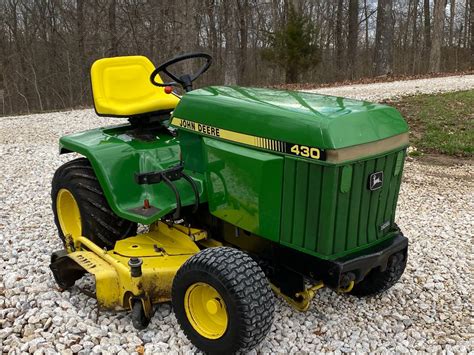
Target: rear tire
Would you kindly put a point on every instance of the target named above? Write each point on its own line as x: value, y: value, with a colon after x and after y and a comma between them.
x: 223, y: 301
x: 96, y: 219
x: 378, y: 281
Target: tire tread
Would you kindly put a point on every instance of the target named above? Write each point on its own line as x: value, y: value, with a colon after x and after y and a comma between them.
x: 247, y: 285
x: 99, y: 222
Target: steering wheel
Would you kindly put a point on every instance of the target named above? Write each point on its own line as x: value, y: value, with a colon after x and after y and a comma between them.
x: 185, y: 80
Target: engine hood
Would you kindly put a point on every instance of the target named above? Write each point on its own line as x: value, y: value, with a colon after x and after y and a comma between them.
x: 326, y: 122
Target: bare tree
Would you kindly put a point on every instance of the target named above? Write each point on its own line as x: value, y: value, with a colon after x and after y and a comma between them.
x: 243, y: 12
x: 437, y: 40
x: 353, y: 36
x: 339, y: 34
x: 113, y: 37
x: 427, y: 30
x: 452, y: 14
x: 230, y: 63
x: 384, y: 37
x: 47, y: 46
x: 81, y: 33
x: 472, y: 33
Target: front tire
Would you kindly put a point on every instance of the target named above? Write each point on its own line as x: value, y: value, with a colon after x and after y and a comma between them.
x: 80, y: 207
x: 378, y: 281
x: 223, y: 301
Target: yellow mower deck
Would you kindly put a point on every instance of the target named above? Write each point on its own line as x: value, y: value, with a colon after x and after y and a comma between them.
x: 142, y: 268
x: 161, y: 252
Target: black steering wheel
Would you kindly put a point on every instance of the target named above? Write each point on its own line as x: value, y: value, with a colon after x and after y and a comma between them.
x: 185, y: 80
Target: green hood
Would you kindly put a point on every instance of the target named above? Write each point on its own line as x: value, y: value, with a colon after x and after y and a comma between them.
x: 322, y: 121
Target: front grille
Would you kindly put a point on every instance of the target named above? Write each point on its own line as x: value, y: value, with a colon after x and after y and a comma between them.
x: 330, y: 210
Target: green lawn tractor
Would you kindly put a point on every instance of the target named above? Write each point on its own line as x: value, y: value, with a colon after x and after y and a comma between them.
x: 245, y: 192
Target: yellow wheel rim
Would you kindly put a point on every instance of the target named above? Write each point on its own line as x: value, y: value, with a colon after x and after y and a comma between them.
x: 68, y: 213
x: 206, y: 310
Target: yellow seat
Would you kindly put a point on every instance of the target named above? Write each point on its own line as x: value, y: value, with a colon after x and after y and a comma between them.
x: 121, y: 87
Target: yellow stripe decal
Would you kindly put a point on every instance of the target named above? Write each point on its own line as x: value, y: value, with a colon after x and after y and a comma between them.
x: 221, y: 133
x: 265, y: 143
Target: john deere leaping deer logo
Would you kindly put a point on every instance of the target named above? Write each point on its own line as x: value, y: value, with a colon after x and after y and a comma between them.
x: 376, y: 180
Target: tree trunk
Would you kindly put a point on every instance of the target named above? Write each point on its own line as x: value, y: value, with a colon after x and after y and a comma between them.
x: 466, y: 24
x: 405, y: 59
x: 155, y: 40
x: 80, y: 45
x: 230, y: 65
x: 452, y: 13
x: 188, y: 31
x: 414, y: 42
x: 339, y: 40
x: 113, y: 38
x: 437, y: 40
x: 213, y: 37
x: 243, y: 10
x: 367, y: 59
x: 35, y: 85
x: 427, y: 31
x: 353, y: 37
x: 21, y: 84
x: 472, y: 33
x: 383, y: 56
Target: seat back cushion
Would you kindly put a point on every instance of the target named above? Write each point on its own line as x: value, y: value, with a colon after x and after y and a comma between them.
x: 121, y: 87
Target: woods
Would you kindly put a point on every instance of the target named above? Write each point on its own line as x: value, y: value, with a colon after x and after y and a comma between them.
x: 47, y: 46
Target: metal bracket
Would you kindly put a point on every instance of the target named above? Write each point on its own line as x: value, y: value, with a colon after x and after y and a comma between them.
x: 155, y: 177
x: 302, y: 299
x: 168, y: 176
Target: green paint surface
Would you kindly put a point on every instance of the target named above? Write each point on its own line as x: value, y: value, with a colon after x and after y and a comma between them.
x: 319, y: 208
x: 326, y: 122
x: 244, y: 187
x: 322, y: 219
x: 117, y: 155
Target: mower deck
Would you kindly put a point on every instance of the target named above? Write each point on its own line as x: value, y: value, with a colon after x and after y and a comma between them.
x: 138, y: 268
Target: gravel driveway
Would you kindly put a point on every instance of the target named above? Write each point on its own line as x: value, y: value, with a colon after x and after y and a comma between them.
x: 430, y: 309
x: 397, y: 89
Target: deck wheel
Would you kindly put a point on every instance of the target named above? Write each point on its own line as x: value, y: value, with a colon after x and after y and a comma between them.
x: 139, y: 320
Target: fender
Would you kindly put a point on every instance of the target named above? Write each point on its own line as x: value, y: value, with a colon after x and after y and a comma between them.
x: 117, y: 153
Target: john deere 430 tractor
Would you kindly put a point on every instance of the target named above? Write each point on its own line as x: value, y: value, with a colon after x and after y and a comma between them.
x: 246, y: 192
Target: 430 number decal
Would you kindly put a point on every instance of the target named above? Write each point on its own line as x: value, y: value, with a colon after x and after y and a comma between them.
x: 305, y: 151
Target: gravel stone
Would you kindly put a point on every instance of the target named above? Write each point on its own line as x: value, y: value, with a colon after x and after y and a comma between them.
x: 76, y: 348
x: 428, y: 311
x: 4, y: 333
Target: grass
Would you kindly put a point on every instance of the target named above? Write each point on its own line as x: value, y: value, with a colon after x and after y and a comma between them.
x: 442, y: 123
